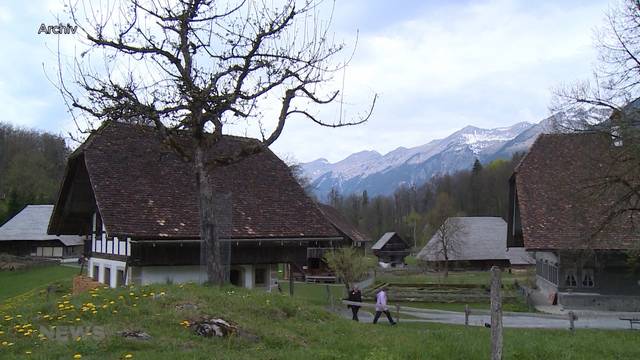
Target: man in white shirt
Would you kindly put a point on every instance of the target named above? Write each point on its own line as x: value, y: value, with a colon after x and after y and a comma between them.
x: 381, y: 306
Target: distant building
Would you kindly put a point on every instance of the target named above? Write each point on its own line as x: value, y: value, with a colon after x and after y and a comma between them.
x: 391, y: 250
x: 26, y: 235
x: 558, y: 212
x: 481, y: 242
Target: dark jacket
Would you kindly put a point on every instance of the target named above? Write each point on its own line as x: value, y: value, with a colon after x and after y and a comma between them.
x: 355, y: 295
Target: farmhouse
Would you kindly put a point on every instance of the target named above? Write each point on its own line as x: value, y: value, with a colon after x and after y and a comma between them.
x: 479, y: 243
x: 136, y: 199
x: 26, y: 235
x: 391, y: 250
x: 558, y: 211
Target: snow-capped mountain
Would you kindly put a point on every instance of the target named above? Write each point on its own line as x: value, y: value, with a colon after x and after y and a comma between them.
x: 382, y: 174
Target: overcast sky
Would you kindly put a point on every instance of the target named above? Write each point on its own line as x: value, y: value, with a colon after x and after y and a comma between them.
x: 437, y: 66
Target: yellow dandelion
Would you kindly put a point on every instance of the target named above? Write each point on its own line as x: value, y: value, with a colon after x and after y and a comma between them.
x: 77, y: 356
x: 79, y: 338
x: 18, y: 316
x: 28, y: 352
x: 128, y: 356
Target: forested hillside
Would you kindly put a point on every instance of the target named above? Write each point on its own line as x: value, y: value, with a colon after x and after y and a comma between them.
x: 415, y: 211
x: 31, y: 167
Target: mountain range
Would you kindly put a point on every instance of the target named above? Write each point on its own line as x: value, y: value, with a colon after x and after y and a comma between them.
x: 381, y: 174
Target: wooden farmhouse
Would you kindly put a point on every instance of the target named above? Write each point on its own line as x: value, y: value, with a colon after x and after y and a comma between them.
x: 136, y: 199
x: 558, y: 211
x: 25, y: 234
x: 478, y: 243
x: 391, y: 250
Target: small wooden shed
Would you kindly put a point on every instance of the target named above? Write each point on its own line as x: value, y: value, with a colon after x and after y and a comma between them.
x: 391, y: 249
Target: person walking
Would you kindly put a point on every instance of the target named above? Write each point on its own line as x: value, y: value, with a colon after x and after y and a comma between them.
x: 381, y: 307
x: 356, y: 296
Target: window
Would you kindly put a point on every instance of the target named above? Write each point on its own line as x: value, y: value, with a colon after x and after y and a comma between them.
x: 587, y: 278
x: 119, y: 278
x: 260, y: 275
x: 570, y: 278
x: 96, y: 272
x: 107, y: 276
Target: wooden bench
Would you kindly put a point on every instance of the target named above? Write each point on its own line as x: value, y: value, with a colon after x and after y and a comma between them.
x: 632, y: 321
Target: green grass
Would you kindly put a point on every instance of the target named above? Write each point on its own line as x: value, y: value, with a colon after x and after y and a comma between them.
x: 455, y: 277
x: 286, y: 328
x: 20, y: 281
x: 515, y: 307
x: 316, y: 293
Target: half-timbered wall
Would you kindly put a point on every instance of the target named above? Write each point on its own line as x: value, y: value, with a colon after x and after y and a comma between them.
x: 103, y: 244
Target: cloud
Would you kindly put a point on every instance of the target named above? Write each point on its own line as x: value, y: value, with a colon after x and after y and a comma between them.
x: 439, y: 68
x: 436, y: 66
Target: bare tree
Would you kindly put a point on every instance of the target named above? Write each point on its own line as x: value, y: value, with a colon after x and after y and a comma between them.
x: 197, y: 68
x: 615, y: 85
x: 448, y: 231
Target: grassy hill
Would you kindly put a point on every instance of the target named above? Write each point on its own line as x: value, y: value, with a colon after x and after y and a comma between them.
x: 273, y: 326
x: 20, y: 281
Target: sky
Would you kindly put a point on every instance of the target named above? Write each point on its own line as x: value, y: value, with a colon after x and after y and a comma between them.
x: 436, y: 66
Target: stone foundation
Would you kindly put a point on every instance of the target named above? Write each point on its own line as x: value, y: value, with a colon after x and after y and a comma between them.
x: 587, y: 301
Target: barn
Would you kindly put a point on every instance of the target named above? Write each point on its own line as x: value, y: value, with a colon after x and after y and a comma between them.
x: 558, y: 212
x: 391, y: 249
x: 25, y: 234
x: 480, y: 243
x: 136, y: 199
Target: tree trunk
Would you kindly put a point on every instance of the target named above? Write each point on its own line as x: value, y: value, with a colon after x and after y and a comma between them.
x: 446, y: 265
x: 208, y: 222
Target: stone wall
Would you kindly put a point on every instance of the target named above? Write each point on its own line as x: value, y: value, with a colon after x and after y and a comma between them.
x: 599, y: 302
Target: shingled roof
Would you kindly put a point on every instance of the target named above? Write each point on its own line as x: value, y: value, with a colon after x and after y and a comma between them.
x: 559, y: 201
x: 480, y: 238
x: 30, y: 224
x: 143, y: 189
x: 342, y: 224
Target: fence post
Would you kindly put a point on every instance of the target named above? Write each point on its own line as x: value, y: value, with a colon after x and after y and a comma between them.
x: 496, y: 314
x: 572, y: 318
x: 397, y: 313
x: 466, y: 315
x: 330, y: 297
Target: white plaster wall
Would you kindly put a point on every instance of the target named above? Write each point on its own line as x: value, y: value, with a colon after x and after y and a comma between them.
x: 181, y: 274
x: 104, y: 263
x: 175, y: 274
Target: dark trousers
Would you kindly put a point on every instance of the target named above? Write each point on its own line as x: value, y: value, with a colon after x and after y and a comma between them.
x: 386, y: 312
x: 354, y: 311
